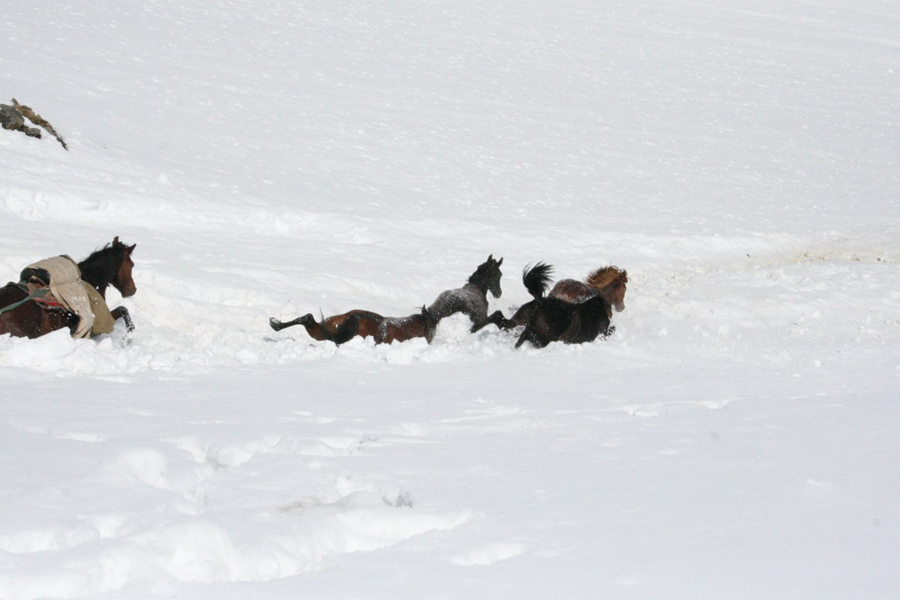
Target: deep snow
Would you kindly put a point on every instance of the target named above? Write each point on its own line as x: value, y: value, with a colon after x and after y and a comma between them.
x: 735, y: 438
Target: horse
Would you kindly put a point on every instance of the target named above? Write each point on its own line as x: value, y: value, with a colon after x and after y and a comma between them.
x: 471, y: 298
x: 110, y: 265
x: 363, y: 323
x: 609, y: 282
x: 556, y: 320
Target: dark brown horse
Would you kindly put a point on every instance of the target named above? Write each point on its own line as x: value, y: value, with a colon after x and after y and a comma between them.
x: 555, y: 320
x: 111, y: 265
x: 363, y: 323
x: 471, y: 299
x: 609, y: 282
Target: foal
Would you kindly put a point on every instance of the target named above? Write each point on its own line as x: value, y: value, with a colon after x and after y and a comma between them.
x: 471, y: 299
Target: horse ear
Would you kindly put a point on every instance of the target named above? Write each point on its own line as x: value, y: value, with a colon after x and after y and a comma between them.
x: 490, y: 258
x: 115, y: 241
x: 131, y: 248
x: 500, y: 262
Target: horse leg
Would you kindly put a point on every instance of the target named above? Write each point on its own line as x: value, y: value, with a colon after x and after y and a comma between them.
x: 120, y: 312
x: 278, y: 325
x: 530, y: 334
x: 497, y: 319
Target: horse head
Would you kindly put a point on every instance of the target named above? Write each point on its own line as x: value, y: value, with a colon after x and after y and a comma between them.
x: 431, y: 323
x: 488, y: 275
x: 123, y: 280
x: 611, y: 282
x: 617, y: 298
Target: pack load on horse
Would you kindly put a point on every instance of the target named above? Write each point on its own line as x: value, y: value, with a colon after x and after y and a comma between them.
x: 58, y: 292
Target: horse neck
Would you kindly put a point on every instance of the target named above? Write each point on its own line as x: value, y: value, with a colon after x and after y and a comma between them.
x: 99, y: 272
x: 476, y: 285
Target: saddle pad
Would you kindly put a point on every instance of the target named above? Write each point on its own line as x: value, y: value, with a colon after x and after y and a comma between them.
x: 68, y: 289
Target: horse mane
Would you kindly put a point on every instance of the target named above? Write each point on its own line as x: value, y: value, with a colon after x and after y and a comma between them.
x: 606, y: 276
x: 103, y: 264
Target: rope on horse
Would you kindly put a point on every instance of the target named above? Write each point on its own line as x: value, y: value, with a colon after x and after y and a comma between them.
x: 38, y: 294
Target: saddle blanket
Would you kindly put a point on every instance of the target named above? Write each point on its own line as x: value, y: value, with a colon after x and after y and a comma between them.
x: 62, y: 275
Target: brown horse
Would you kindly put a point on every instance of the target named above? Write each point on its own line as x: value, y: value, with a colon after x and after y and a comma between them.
x: 326, y: 329
x: 111, y: 265
x: 608, y: 282
x: 471, y: 299
x: 363, y: 323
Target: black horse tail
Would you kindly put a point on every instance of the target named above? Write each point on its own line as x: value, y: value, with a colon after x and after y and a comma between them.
x: 536, y: 279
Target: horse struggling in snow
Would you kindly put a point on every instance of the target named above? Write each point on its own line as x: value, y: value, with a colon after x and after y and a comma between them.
x: 363, y: 323
x: 23, y: 315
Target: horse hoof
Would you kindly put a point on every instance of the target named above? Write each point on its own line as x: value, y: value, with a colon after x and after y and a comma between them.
x: 275, y: 324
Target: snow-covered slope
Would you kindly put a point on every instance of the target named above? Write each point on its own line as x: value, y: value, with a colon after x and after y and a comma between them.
x: 735, y: 437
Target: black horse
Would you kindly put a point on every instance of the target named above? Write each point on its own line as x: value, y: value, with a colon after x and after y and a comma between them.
x: 555, y: 320
x: 471, y: 299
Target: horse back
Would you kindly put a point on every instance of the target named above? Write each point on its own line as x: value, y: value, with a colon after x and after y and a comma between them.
x: 572, y: 291
x: 401, y: 330
x: 466, y: 300
x: 355, y: 323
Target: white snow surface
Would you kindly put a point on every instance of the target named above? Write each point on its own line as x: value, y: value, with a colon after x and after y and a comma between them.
x: 736, y: 437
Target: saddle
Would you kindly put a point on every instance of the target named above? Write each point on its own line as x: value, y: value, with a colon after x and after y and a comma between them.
x: 68, y: 292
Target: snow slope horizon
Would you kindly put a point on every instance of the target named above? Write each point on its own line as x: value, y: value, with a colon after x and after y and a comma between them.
x: 734, y: 438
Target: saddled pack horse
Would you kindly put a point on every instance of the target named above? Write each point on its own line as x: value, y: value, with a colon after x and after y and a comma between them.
x: 608, y: 282
x: 471, y: 299
x: 363, y: 323
x: 22, y: 316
